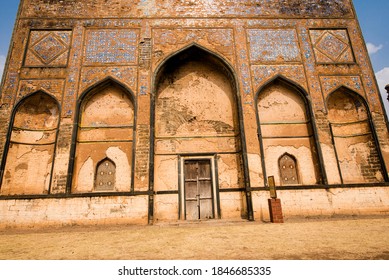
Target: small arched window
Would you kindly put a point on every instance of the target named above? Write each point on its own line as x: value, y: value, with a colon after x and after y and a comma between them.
x: 105, y: 175
x: 288, y: 170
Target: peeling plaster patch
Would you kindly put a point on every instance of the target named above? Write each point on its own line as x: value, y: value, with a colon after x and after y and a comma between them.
x: 303, y: 155
x: 357, y: 153
x: 228, y: 172
x: 255, y: 168
x: 29, y: 170
x: 278, y: 103
x: 86, y: 176
x: 331, y: 164
x: 123, y: 168
x: 210, y: 110
x: 166, y: 207
x: 379, y: 176
x: 167, y: 175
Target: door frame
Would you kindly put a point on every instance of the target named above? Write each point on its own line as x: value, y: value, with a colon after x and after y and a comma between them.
x: 215, y: 188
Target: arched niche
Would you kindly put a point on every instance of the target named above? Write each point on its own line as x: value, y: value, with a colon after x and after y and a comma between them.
x: 289, y: 173
x: 106, y: 120
x: 105, y: 175
x: 355, y: 144
x: 195, y: 95
x: 285, y: 128
x: 196, y: 116
x: 31, y: 146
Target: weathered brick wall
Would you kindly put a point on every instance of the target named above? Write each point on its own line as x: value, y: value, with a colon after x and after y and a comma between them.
x: 81, y: 211
x: 326, y: 203
x: 187, y: 8
x: 65, y: 48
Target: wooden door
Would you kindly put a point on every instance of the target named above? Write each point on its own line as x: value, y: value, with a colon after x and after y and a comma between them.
x: 198, y: 190
x: 105, y: 176
x: 288, y: 170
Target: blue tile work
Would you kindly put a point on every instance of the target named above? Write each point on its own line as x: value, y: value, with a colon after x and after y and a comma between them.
x: 71, y: 88
x: 244, y: 68
x: 311, y: 71
x: 91, y: 76
x: 48, y: 48
x: 331, y: 83
x: 264, y: 73
x: 331, y: 46
x: 117, y: 46
x: 54, y: 87
x: 273, y: 45
x: 362, y: 58
x: 167, y: 41
x: 144, y: 83
x: 12, y: 70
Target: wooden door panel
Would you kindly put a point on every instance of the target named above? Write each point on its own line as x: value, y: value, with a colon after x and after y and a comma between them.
x: 105, y: 176
x: 205, y: 189
x: 198, y: 190
x: 204, y: 169
x: 192, y: 212
x: 206, y: 209
x: 191, y: 190
x: 288, y: 170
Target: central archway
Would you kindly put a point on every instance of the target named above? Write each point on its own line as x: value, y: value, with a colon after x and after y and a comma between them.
x: 198, y: 164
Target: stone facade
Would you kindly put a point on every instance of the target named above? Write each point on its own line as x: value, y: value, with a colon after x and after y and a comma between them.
x: 144, y: 111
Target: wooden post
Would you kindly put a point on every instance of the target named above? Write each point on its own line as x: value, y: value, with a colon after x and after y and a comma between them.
x: 275, y: 208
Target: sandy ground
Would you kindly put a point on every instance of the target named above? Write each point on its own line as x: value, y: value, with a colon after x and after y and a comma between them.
x: 328, y: 239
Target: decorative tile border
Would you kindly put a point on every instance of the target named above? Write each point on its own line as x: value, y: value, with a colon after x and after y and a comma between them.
x: 263, y: 73
x: 273, y: 45
x: 331, y: 46
x: 48, y: 48
x: 331, y: 83
x: 111, y: 46
x: 54, y: 87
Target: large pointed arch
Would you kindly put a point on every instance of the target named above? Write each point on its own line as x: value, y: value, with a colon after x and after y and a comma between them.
x: 29, y: 155
x: 201, y: 57
x: 201, y: 52
x: 356, y: 146
x: 105, y: 125
x: 283, y: 127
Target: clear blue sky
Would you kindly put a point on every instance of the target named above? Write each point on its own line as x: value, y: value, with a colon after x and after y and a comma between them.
x: 372, y: 14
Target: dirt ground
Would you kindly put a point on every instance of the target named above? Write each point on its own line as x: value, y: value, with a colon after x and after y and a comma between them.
x: 323, y: 239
